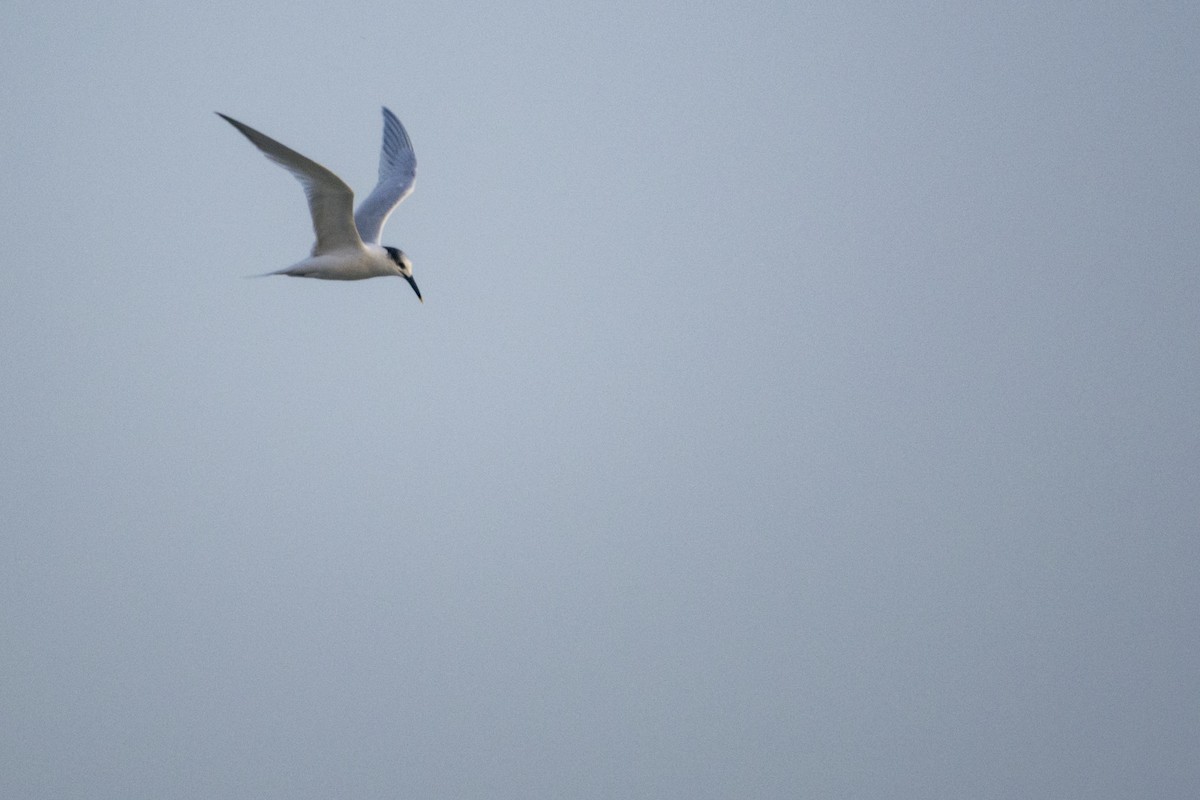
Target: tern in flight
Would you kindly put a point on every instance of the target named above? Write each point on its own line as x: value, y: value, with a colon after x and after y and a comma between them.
x: 347, y: 246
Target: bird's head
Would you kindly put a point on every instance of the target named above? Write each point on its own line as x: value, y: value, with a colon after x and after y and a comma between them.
x: 403, y: 268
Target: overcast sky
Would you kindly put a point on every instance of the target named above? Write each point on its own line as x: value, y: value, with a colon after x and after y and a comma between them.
x: 805, y: 403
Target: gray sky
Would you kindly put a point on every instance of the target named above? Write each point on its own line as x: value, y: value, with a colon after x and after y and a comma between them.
x: 804, y: 404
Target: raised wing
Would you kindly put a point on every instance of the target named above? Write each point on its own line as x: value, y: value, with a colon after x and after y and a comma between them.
x: 330, y: 200
x: 397, y: 174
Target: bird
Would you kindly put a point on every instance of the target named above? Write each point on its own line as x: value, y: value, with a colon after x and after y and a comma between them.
x: 347, y: 246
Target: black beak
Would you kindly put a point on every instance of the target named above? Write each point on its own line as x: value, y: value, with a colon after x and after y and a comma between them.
x: 413, y: 284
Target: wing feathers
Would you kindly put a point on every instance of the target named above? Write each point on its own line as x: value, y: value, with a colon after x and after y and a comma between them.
x: 397, y: 174
x: 330, y: 200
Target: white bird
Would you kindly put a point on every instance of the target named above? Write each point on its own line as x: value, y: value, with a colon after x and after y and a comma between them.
x: 347, y: 246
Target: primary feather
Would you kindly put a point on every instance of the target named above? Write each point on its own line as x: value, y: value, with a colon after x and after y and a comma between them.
x: 397, y: 174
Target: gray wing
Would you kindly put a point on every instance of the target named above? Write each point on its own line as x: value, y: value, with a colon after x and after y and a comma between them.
x: 397, y: 174
x: 330, y: 200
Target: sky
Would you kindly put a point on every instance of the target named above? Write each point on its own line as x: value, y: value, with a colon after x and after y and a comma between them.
x: 804, y: 403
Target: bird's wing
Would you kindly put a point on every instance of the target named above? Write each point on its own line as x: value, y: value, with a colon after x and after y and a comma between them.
x: 397, y: 174
x: 330, y: 200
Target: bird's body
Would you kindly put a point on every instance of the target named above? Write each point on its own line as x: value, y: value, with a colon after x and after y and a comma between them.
x: 348, y: 264
x: 347, y: 246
